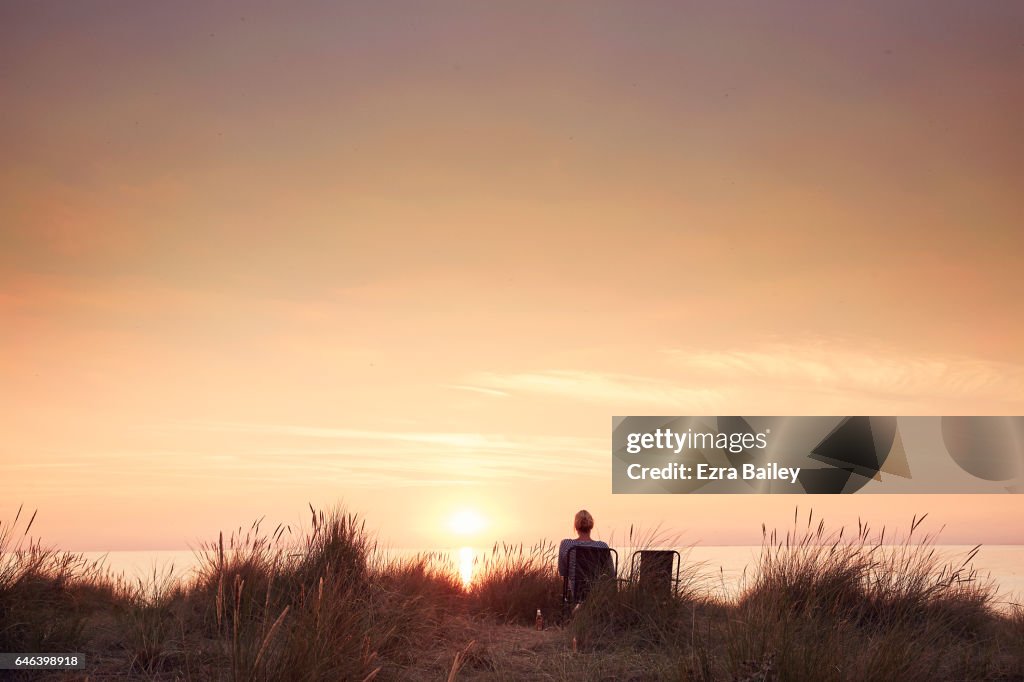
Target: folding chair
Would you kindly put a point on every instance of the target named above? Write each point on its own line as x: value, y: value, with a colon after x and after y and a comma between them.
x: 652, y: 570
x: 587, y: 565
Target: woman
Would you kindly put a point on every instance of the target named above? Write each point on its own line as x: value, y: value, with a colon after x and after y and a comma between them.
x: 583, y: 524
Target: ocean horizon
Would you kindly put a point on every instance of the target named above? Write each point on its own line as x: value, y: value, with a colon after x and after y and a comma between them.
x: 720, y: 568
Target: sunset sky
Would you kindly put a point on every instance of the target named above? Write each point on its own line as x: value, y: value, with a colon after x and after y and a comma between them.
x: 414, y: 256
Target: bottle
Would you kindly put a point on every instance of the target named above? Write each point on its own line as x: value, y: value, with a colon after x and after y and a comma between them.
x: 540, y: 620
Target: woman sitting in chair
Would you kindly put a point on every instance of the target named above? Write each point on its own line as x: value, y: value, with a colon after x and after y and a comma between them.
x: 583, y: 524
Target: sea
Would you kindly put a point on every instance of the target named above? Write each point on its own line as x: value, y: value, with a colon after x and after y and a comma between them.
x: 722, y: 570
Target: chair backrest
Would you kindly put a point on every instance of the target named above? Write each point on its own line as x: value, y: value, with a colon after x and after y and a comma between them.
x: 586, y: 565
x: 652, y: 569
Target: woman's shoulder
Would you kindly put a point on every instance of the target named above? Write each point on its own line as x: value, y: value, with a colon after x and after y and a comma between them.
x: 572, y: 542
x: 569, y: 543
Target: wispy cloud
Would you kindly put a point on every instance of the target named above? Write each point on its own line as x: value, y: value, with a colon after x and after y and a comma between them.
x: 478, y: 389
x: 837, y: 367
x: 379, y: 457
x: 806, y: 376
x: 486, y: 442
x: 602, y: 387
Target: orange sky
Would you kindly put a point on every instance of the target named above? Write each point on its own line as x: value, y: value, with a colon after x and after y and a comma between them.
x: 415, y: 260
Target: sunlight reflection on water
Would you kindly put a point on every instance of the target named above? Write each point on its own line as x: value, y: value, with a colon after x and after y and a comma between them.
x: 466, y: 561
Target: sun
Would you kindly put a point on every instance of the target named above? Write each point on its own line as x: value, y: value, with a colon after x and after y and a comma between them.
x: 466, y: 522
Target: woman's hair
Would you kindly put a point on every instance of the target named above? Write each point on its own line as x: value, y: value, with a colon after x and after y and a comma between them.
x: 583, y: 522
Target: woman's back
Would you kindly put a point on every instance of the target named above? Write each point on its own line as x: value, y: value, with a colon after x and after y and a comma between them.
x: 566, y: 545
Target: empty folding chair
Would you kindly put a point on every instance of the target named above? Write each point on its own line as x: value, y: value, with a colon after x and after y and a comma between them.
x: 656, y: 570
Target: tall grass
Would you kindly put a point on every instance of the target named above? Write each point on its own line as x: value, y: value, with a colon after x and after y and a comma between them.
x: 145, y: 618
x: 820, y: 604
x: 324, y: 602
x: 320, y: 604
x: 864, y: 580
x: 45, y: 595
x: 512, y: 583
x: 881, y: 607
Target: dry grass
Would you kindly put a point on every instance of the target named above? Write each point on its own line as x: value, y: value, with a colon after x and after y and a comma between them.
x: 45, y: 595
x: 513, y: 582
x: 322, y: 603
